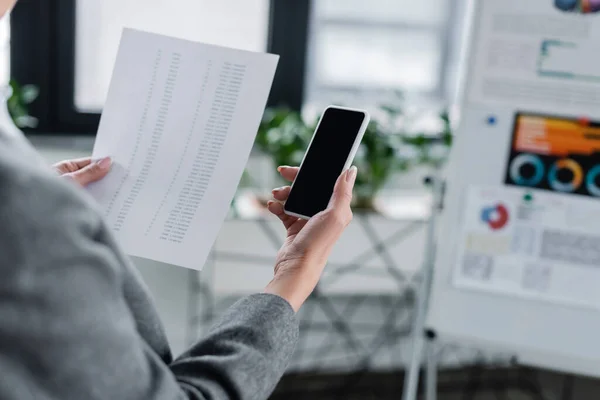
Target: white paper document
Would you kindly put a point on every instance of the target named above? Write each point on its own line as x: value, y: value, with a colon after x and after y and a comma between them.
x: 530, y: 243
x: 179, y: 123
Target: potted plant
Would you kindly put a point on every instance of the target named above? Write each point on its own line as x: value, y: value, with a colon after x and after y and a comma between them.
x: 18, y: 100
x: 389, y: 146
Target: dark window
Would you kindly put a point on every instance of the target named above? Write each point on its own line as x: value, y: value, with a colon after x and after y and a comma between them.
x: 67, y: 47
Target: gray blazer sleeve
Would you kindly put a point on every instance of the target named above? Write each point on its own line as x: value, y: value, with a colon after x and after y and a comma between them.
x: 244, y: 355
x: 67, y: 332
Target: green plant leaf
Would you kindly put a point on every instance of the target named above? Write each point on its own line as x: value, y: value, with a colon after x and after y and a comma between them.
x: 284, y: 137
x: 26, y: 121
x: 392, y: 110
x: 17, y: 103
x: 14, y: 85
x: 29, y: 93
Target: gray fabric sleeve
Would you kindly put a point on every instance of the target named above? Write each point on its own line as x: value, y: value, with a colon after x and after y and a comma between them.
x: 66, y: 331
x: 241, y: 358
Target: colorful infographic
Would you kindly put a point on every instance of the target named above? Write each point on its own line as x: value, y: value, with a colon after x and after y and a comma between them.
x: 581, y: 6
x: 556, y: 154
x: 529, y: 244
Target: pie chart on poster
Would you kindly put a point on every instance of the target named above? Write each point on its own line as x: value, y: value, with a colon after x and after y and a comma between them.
x: 580, y: 6
x: 565, y: 175
x: 527, y: 170
x: 495, y: 217
x: 592, y: 181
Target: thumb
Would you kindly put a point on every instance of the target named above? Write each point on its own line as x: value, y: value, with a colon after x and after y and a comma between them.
x: 324, y: 229
x: 342, y: 192
x: 92, y: 172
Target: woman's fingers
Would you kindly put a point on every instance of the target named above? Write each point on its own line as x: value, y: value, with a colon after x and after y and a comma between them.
x: 82, y: 162
x: 281, y: 193
x: 276, y: 208
x: 327, y: 226
x: 292, y: 224
x: 288, y: 173
x: 91, y: 172
x: 66, y: 166
x: 342, y: 192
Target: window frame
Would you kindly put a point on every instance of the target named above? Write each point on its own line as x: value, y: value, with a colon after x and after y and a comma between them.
x: 43, y: 54
x: 443, y: 31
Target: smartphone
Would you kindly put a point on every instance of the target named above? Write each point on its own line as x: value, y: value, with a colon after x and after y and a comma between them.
x: 331, y: 151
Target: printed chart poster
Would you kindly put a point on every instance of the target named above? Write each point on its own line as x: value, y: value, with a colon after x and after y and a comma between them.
x: 530, y: 243
x: 556, y: 154
x: 538, y: 55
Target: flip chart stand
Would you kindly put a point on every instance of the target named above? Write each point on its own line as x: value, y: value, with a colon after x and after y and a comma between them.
x: 411, y: 379
x: 431, y: 367
x: 424, y: 339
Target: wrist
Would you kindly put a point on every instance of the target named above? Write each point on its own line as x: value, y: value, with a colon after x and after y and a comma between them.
x: 294, y: 287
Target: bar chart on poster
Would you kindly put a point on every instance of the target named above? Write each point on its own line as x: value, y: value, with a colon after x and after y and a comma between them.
x: 519, y: 266
x: 555, y: 153
x: 569, y: 60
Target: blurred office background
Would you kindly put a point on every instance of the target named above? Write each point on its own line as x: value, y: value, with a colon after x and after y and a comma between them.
x: 401, y: 60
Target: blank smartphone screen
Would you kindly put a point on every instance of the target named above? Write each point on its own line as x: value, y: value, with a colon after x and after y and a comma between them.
x: 324, y: 161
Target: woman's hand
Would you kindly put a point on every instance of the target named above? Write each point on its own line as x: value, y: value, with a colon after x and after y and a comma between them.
x: 303, y: 256
x: 83, y: 170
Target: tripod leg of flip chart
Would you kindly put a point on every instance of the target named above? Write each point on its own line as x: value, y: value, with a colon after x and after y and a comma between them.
x: 411, y: 379
x: 431, y: 370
